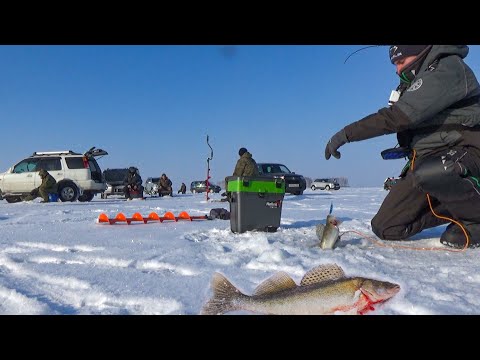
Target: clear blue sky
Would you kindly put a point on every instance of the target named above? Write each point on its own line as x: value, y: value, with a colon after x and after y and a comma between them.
x: 153, y: 106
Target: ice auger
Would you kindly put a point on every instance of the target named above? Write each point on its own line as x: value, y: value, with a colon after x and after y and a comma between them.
x: 153, y: 216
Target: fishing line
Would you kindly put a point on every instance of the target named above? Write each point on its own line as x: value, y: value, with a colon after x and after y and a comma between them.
x: 379, y: 243
x: 363, y: 48
x: 394, y: 246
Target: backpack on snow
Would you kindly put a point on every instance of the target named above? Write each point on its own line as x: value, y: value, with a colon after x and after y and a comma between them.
x: 219, y: 213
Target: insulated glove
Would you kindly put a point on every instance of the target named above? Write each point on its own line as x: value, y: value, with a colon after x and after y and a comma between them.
x: 337, y: 140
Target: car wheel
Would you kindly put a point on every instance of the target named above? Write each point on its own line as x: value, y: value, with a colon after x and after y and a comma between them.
x: 12, y: 199
x: 68, y: 191
x: 313, y: 187
x: 88, y: 196
x: 298, y: 193
x: 327, y: 187
x: 194, y: 191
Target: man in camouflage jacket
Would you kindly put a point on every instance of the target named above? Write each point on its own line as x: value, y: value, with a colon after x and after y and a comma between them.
x: 48, y: 185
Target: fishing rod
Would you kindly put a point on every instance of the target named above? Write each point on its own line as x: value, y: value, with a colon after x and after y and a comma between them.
x: 208, y: 167
x: 363, y: 48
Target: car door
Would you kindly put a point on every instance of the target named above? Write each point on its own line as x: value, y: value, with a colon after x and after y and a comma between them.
x: 95, y: 171
x: 21, y: 179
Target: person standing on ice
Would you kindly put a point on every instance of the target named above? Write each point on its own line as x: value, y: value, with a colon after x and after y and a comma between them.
x: 246, y: 165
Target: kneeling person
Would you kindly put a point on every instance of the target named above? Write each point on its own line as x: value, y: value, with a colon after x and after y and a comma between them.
x: 165, y: 186
x: 48, y: 185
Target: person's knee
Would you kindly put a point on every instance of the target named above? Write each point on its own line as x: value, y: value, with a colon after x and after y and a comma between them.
x: 377, y: 228
x: 386, y: 231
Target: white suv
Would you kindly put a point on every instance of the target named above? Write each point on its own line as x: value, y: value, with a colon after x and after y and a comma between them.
x: 78, y: 175
x: 325, y: 184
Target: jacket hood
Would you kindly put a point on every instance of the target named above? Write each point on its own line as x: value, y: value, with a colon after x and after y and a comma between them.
x: 247, y: 155
x: 439, y: 51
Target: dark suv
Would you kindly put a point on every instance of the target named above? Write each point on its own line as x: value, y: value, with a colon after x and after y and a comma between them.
x: 294, y: 183
x: 201, y: 186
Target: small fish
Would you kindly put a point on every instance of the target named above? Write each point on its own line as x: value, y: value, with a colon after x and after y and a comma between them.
x: 323, y: 290
x: 329, y: 234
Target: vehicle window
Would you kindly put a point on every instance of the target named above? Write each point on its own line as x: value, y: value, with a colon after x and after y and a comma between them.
x: 114, y: 175
x: 95, y: 171
x: 155, y: 180
x: 26, y: 165
x: 75, y: 162
x: 92, y: 163
x: 50, y: 164
x: 283, y: 169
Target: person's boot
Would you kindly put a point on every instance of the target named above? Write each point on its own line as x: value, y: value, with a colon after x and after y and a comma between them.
x: 454, y: 236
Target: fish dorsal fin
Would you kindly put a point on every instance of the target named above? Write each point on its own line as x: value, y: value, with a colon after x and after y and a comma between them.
x: 277, y: 282
x: 322, y: 273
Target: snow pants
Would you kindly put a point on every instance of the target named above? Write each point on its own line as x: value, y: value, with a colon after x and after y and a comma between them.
x: 451, y: 178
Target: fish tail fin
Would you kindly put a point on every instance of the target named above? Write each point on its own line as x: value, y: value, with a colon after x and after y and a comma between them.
x: 224, y: 293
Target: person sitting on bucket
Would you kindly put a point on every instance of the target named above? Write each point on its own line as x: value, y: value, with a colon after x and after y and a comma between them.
x: 133, y: 182
x: 165, y: 186
x: 48, y: 185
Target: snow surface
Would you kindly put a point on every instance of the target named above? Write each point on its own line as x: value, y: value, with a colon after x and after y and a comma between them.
x: 55, y: 258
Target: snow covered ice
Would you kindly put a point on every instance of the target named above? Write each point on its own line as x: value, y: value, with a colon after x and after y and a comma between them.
x: 56, y: 259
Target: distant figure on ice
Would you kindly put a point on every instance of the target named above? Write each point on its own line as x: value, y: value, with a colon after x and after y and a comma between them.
x: 165, y: 186
x: 183, y: 189
x: 48, y: 185
x: 133, y: 184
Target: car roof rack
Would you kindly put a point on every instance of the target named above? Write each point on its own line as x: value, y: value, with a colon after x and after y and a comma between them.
x: 55, y: 152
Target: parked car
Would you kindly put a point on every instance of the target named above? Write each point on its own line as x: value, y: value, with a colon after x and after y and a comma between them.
x: 201, y: 186
x: 151, y: 186
x: 294, y: 183
x: 78, y: 176
x: 114, y: 179
x: 325, y: 184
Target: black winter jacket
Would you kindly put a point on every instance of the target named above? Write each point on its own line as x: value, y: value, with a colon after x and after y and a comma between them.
x: 440, y: 109
x: 132, y: 179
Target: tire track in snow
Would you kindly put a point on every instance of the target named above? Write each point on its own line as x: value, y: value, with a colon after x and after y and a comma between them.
x: 69, y: 295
